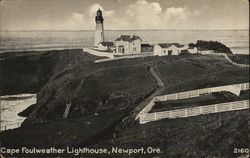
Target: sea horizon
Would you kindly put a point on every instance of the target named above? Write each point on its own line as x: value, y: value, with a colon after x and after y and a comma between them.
x: 140, y: 30
x: 41, y: 40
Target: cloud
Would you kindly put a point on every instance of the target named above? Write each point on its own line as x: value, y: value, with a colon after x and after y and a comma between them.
x: 93, y: 8
x: 174, y: 11
x: 84, y: 20
x: 150, y: 15
x: 140, y: 14
x: 77, y: 17
x: 132, y: 14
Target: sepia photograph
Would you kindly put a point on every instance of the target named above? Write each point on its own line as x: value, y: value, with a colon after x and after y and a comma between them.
x: 124, y: 78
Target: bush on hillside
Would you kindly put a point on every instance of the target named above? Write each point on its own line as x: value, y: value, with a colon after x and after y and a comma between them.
x: 216, y: 46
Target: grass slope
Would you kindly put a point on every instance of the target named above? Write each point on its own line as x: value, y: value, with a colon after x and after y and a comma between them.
x: 116, y: 87
x: 214, y: 135
x: 28, y: 72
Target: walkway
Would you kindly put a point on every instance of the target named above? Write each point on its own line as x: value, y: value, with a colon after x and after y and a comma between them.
x: 160, y: 87
x: 99, y: 53
x: 131, y: 56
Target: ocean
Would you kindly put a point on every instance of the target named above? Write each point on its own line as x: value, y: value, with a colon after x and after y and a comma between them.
x: 10, y: 106
x: 237, y: 40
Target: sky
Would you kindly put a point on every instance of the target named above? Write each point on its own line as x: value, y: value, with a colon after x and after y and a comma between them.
x: 124, y: 14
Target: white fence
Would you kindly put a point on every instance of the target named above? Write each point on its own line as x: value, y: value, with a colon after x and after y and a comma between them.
x: 131, y: 56
x: 10, y: 126
x: 236, y: 88
x: 225, y: 56
x: 188, y: 112
x: 99, y: 53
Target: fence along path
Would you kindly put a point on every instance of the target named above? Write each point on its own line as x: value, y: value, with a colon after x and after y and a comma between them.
x: 200, y: 110
x: 236, y: 88
x: 226, y: 57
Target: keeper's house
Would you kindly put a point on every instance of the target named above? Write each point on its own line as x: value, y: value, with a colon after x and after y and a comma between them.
x: 128, y: 44
x: 162, y: 49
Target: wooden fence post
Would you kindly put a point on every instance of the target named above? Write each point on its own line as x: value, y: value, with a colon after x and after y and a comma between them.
x: 215, y: 107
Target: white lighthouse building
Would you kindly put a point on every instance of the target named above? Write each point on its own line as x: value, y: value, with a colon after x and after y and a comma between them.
x: 99, y: 31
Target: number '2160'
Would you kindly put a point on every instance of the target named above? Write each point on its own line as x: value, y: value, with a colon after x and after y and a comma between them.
x: 241, y: 150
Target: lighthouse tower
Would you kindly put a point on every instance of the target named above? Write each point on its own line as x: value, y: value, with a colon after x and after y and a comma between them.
x: 99, y: 32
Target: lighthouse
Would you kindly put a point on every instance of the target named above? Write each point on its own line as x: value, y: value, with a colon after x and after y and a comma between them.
x: 99, y: 31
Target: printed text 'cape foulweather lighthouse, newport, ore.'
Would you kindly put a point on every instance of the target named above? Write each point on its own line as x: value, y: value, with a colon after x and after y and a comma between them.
x: 99, y: 32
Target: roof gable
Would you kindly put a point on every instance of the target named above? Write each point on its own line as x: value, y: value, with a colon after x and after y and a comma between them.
x: 128, y: 38
x: 146, y: 45
x: 167, y: 45
x: 107, y: 43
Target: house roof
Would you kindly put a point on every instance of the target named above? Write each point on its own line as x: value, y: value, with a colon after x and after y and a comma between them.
x: 146, y: 45
x: 191, y: 47
x: 128, y: 38
x: 107, y: 43
x: 167, y: 45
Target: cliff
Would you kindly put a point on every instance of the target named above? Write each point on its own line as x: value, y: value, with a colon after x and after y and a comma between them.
x: 28, y: 72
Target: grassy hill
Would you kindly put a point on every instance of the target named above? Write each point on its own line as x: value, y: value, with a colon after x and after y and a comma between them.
x: 214, y: 135
x: 103, y: 93
x: 28, y: 72
x: 240, y: 58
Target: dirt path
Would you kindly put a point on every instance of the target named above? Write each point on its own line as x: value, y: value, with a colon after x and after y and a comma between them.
x: 160, y: 87
x: 130, y: 118
x: 121, y: 124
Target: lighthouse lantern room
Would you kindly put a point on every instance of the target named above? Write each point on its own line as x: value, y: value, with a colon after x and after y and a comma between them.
x: 99, y: 31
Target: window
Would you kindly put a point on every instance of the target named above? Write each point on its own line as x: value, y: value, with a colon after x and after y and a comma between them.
x: 170, y: 52
x: 134, y: 49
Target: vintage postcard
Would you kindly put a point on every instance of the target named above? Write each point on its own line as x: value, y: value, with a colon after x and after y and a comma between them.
x: 124, y: 78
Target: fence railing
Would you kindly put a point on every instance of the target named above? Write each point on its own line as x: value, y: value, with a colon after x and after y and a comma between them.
x: 188, y: 112
x: 123, y: 57
x: 226, y: 57
x: 98, y: 53
x: 11, y: 126
x: 57, y: 117
x: 236, y: 88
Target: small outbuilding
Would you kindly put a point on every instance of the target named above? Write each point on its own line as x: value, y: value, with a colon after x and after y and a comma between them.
x: 146, y: 47
x: 162, y: 49
x: 192, y: 49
